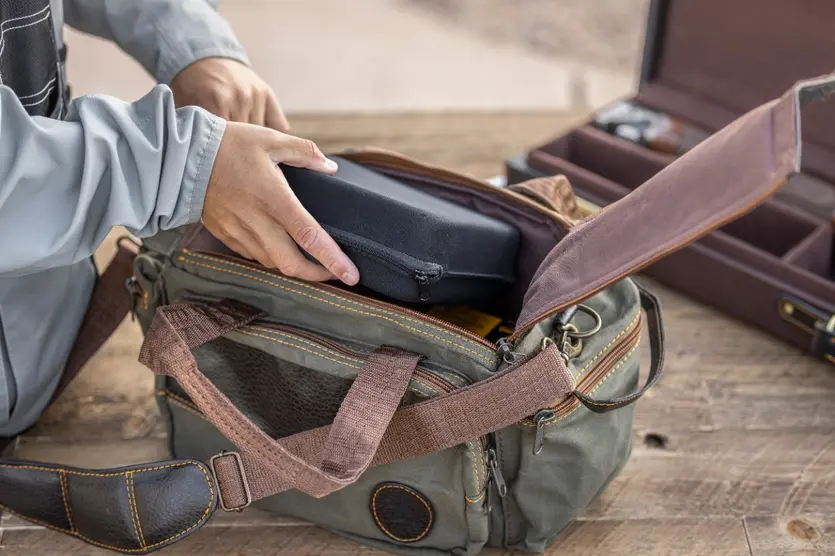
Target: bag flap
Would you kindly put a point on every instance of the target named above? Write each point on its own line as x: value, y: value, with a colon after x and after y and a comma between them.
x: 720, y: 180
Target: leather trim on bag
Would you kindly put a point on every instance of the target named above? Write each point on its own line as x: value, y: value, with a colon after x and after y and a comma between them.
x: 401, y: 512
x: 127, y: 477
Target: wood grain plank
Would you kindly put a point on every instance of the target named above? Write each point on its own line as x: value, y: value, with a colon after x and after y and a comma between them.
x: 802, y: 535
x: 690, y: 537
x: 648, y: 537
x: 231, y: 541
x: 724, y: 473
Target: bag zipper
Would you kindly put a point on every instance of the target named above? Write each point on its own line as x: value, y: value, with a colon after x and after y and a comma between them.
x: 433, y: 379
x: 586, y: 384
x: 422, y: 272
x: 361, y: 299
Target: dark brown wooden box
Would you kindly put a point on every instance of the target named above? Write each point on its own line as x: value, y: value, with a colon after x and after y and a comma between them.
x: 706, y: 62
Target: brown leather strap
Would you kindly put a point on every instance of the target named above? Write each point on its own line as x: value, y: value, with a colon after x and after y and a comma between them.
x: 658, y: 350
x: 720, y: 180
x: 366, y: 430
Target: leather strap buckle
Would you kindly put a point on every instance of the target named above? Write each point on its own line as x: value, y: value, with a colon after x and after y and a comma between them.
x: 230, y: 475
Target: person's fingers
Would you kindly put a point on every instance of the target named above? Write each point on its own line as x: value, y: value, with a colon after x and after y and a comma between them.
x: 286, y: 257
x: 249, y: 242
x: 273, y: 115
x: 257, y: 115
x: 240, y: 105
x: 301, y: 153
x: 238, y: 247
x: 311, y: 237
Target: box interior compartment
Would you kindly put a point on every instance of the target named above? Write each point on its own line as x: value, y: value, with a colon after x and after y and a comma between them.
x: 611, y: 157
x: 773, y: 227
x: 603, y: 168
x: 592, y: 187
x: 815, y: 253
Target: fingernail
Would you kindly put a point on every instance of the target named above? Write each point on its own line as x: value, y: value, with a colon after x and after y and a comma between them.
x: 350, y: 277
x: 330, y: 165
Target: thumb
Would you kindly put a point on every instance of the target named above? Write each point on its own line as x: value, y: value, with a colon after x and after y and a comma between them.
x: 301, y: 153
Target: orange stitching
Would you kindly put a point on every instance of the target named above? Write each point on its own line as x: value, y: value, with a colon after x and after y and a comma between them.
x: 621, y: 333
x: 317, y: 290
x: 89, y: 474
x: 446, y: 376
x: 622, y: 361
x: 276, y: 340
x: 146, y: 300
x: 116, y: 548
x: 579, y: 405
x: 62, y: 479
x: 134, y: 511
x: 334, y: 353
x: 481, y: 462
x: 380, y: 316
x: 190, y: 407
x: 389, y: 533
x: 301, y: 340
x: 478, y: 498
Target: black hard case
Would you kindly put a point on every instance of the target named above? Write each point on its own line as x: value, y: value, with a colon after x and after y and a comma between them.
x: 409, y: 245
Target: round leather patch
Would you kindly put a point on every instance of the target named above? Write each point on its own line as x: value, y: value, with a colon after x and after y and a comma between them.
x: 401, y: 512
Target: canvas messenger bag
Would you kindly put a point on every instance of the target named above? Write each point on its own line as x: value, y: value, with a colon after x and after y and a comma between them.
x: 388, y: 425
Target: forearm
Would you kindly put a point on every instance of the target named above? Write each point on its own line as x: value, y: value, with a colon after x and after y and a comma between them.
x: 65, y: 184
x: 165, y: 36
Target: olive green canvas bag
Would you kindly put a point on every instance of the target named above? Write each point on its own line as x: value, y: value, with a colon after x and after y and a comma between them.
x: 390, y: 426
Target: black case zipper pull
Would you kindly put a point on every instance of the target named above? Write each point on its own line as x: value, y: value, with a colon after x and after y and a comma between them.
x: 423, y: 286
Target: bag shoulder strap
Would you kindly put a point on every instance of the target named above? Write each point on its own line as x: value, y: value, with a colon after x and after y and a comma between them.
x: 720, y: 180
x: 134, y: 509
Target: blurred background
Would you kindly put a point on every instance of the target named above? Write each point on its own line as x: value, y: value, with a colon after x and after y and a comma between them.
x: 333, y: 56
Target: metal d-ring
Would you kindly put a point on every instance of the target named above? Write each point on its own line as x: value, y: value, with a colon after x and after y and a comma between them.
x: 598, y: 323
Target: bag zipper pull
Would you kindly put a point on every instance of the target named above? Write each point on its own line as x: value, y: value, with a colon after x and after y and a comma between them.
x: 505, y: 349
x: 540, y: 418
x: 423, y: 286
x: 496, y: 473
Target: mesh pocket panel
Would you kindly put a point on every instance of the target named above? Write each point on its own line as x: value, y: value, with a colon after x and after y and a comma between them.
x: 280, y: 397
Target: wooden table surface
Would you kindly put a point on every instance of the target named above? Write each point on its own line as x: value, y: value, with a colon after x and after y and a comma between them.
x: 734, y: 449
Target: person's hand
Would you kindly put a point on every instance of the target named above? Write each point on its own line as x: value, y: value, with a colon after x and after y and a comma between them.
x: 251, y: 209
x: 230, y: 90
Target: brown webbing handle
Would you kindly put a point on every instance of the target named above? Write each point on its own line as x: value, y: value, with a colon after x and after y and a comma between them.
x: 354, y: 436
x: 720, y: 180
x: 325, y: 459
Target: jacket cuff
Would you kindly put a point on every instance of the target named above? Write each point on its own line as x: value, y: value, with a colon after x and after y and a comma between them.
x: 201, y: 157
x: 179, y: 56
x: 194, y: 31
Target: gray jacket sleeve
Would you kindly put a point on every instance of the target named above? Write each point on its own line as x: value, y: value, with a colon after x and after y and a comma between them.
x: 65, y: 184
x: 164, y: 36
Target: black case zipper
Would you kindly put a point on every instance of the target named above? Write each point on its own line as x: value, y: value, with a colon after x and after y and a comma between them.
x: 423, y: 273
